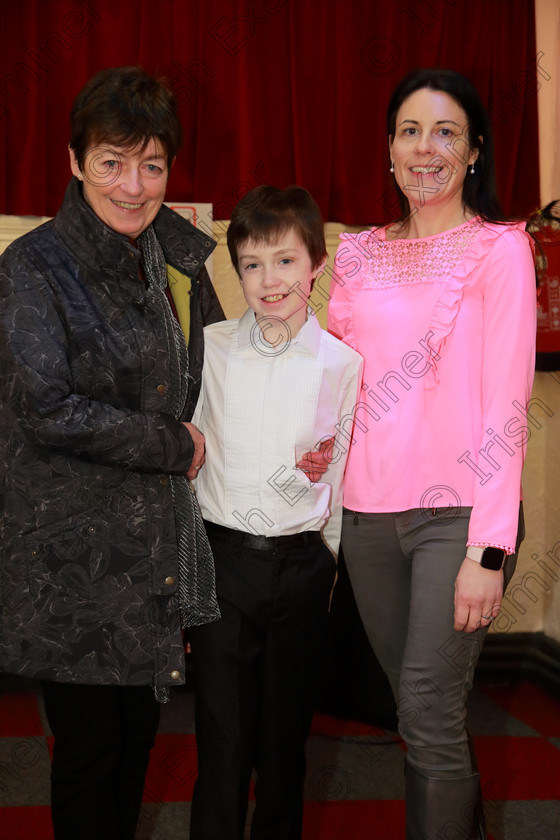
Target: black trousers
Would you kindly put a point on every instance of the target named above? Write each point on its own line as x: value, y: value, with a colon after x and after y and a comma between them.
x: 103, y: 736
x: 256, y: 669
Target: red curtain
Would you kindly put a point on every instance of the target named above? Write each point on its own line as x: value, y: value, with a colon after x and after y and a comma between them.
x: 271, y: 91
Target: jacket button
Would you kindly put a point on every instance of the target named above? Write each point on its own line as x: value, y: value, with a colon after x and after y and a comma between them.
x: 170, y: 580
x: 163, y: 480
x: 175, y: 675
x: 161, y: 389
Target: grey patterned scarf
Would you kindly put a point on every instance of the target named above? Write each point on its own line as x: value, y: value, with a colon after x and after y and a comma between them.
x: 197, y: 591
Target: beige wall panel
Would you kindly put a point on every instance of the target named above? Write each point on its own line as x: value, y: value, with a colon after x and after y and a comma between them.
x: 547, y: 15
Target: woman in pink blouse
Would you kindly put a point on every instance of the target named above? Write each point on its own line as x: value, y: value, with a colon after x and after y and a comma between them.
x: 441, y: 304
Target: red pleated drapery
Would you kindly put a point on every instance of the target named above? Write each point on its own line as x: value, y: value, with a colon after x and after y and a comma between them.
x: 271, y: 91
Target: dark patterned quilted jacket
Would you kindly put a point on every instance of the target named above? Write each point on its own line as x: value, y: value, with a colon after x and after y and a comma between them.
x: 88, y: 571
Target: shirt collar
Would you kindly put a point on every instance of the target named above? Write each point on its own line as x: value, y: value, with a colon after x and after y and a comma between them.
x: 308, y: 337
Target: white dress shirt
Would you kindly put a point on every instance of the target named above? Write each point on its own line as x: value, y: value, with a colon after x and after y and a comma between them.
x: 261, y: 408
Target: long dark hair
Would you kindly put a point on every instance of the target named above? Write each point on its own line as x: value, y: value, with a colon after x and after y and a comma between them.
x: 479, y: 190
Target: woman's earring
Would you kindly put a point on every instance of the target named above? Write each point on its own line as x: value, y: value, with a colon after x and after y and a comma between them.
x: 392, y: 167
x: 472, y: 168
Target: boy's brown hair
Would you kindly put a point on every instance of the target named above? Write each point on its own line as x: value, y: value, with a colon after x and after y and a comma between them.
x: 266, y: 213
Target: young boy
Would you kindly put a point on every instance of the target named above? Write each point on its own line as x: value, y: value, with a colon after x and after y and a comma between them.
x: 274, y: 386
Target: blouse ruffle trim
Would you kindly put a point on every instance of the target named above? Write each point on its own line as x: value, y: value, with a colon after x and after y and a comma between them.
x: 447, y: 306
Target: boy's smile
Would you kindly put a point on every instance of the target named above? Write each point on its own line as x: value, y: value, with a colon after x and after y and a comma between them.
x: 276, y: 278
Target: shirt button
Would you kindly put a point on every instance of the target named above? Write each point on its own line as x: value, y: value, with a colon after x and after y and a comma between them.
x: 163, y: 480
x: 161, y: 389
x: 170, y: 580
x: 175, y: 675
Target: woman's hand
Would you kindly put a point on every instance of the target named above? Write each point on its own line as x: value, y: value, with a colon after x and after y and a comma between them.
x: 315, y: 463
x: 478, y: 595
x: 198, y: 458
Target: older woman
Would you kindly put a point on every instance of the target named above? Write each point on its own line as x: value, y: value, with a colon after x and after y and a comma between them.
x: 442, y: 305
x: 104, y: 558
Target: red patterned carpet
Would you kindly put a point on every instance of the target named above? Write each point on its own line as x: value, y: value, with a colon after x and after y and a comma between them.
x: 355, y: 783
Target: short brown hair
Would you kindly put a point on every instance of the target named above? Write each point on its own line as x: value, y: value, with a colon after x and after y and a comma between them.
x: 125, y: 106
x: 266, y: 212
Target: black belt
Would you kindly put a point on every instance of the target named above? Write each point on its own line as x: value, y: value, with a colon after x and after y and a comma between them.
x: 256, y: 542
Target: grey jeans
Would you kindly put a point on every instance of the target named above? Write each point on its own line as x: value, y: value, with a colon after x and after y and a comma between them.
x: 403, y: 568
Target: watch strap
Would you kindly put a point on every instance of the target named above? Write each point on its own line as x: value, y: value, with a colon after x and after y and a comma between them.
x: 488, y: 556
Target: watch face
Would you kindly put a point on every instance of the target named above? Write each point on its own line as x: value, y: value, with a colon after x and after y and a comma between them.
x: 492, y: 558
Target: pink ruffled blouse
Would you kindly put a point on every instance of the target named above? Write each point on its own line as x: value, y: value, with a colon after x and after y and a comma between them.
x: 446, y: 326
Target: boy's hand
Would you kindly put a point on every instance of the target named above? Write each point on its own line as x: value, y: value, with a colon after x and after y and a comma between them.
x: 198, y: 457
x: 315, y: 463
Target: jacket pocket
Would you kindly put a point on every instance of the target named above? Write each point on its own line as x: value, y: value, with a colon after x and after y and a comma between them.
x: 67, y: 553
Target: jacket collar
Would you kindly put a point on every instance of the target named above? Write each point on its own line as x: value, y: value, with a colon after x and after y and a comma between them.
x: 96, y: 245
x: 109, y: 254
x: 185, y: 247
